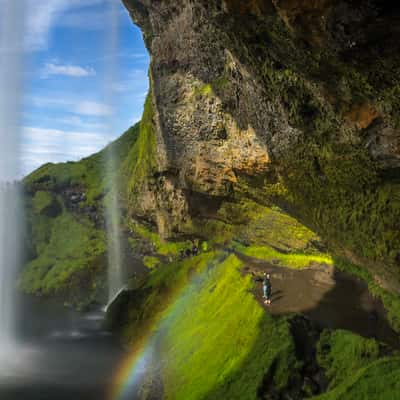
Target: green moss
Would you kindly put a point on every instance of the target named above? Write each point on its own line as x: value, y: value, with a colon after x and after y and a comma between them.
x: 355, y: 368
x: 248, y: 222
x: 341, y: 353
x: 210, y: 89
x: 42, y: 201
x: 141, y: 162
x: 162, y: 287
x: 270, y: 226
x: 219, y: 342
x: 40, y: 233
x: 92, y: 174
x: 162, y: 247
x: 216, y: 232
x: 71, y: 253
x: 215, y: 339
x: 151, y: 262
x: 348, y: 203
x: 378, y: 380
x: 204, y: 90
x: 291, y: 260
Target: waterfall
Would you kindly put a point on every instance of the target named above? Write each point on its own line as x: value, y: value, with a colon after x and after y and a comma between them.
x: 112, y: 203
x: 10, y: 248
x: 11, y: 53
x: 113, y: 215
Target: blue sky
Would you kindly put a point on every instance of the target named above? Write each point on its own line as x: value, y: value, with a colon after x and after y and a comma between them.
x: 85, y: 78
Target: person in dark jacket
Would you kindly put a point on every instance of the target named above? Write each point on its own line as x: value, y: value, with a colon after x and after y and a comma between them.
x: 267, y: 289
x: 195, y: 249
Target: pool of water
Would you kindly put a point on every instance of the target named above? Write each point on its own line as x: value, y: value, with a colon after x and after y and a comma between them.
x: 59, y: 354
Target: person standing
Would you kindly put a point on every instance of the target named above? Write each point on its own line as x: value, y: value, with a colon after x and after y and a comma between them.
x: 267, y: 289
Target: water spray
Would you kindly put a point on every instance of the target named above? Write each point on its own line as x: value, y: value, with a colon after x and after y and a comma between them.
x: 11, y: 60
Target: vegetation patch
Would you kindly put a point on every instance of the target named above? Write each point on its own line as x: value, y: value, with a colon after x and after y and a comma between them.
x: 291, y: 260
x: 253, y: 224
x: 341, y: 353
x: 141, y: 162
x: 65, y: 209
x: 219, y: 343
x: 72, y: 255
x: 161, y: 247
x: 151, y: 262
x: 45, y: 203
x: 93, y: 174
x: 214, y: 339
x: 378, y: 380
x: 136, y: 316
x: 210, y: 89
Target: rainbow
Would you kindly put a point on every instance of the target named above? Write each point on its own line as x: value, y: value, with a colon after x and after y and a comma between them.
x: 133, y: 368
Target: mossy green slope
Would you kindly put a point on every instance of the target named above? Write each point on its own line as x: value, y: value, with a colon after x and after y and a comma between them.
x: 292, y: 260
x: 219, y: 342
x: 65, y: 234
x: 73, y: 252
x: 214, y: 339
x: 91, y: 173
x: 141, y: 163
x: 355, y: 368
x: 378, y: 381
x: 341, y: 353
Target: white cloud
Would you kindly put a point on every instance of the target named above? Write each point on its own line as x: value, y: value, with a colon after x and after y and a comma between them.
x: 41, y: 16
x: 73, y: 106
x: 74, y: 71
x: 42, y: 145
x: 92, y: 108
x: 77, y: 122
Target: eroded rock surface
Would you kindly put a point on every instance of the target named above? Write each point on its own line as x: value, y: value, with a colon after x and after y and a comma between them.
x: 292, y: 102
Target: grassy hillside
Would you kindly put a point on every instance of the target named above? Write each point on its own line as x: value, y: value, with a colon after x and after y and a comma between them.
x: 65, y: 212
x: 213, y: 340
x: 356, y: 369
x: 227, y: 338
x: 92, y: 173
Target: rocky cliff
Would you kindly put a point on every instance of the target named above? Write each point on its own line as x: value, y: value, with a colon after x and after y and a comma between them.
x: 270, y: 139
x: 291, y: 102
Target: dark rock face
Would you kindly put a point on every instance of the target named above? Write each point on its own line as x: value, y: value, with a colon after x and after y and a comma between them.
x: 289, y: 101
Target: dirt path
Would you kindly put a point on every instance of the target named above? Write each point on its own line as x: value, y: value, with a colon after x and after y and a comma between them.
x: 326, y: 296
